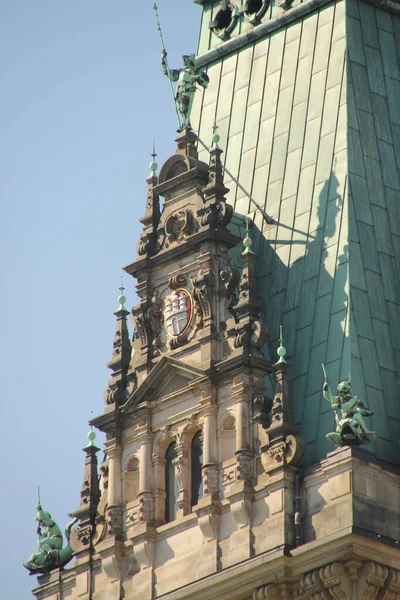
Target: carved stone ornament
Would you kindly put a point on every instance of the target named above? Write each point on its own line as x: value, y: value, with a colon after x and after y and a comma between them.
x: 254, y: 335
x: 147, y: 321
x: 114, y: 520
x: 178, y: 312
x: 202, y: 294
x: 155, y: 319
x: 345, y: 580
x: 215, y: 214
x: 178, y: 281
x: 262, y: 406
x: 284, y: 450
x: 179, y: 225
x: 84, y: 534
x: 179, y: 317
x: 230, y: 278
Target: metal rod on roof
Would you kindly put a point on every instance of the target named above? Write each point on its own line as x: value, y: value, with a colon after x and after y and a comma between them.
x: 266, y: 216
x: 155, y: 8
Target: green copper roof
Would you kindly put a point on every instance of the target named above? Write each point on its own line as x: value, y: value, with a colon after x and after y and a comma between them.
x: 316, y: 140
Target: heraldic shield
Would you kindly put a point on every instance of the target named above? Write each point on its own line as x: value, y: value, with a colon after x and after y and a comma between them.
x: 178, y: 312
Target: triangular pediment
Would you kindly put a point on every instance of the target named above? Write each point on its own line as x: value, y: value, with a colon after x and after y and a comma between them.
x: 168, y: 376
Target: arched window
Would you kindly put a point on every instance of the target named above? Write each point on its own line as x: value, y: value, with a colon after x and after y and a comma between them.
x: 171, y: 485
x: 197, y: 463
x: 132, y: 480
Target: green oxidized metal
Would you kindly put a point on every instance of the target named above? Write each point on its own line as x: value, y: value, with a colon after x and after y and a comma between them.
x: 50, y: 553
x: 188, y: 79
x: 349, y: 412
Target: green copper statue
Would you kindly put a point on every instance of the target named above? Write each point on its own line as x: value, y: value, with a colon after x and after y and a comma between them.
x: 350, y: 426
x: 50, y: 554
x: 188, y: 78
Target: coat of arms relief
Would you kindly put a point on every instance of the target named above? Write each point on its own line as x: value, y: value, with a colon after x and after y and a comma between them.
x: 177, y: 312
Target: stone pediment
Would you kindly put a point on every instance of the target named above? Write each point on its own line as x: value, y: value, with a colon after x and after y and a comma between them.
x: 167, y: 377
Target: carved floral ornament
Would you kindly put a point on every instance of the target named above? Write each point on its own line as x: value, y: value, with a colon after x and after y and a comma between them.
x: 348, y: 580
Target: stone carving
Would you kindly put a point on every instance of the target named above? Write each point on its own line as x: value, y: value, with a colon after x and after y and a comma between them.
x: 84, y: 534
x: 178, y: 315
x: 104, y: 475
x: 140, y: 327
x: 147, y: 320
x: 350, y: 426
x: 179, y: 224
x: 178, y: 281
x: 181, y: 469
x: 202, y: 295
x: 114, y: 520
x: 155, y: 318
x: 256, y: 335
x: 50, y: 553
x: 230, y: 278
x: 282, y: 446
x: 216, y: 213
x: 345, y: 580
x: 261, y: 410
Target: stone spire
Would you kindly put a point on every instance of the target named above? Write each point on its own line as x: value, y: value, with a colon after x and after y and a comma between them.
x: 282, y: 448
x: 90, y: 495
x: 216, y: 211
x: 251, y: 331
x: 147, y: 244
x: 119, y: 363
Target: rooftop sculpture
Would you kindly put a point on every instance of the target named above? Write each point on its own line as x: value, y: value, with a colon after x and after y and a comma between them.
x: 50, y: 553
x: 188, y: 78
x: 349, y: 412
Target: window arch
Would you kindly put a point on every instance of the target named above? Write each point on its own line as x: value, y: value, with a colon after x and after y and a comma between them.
x: 196, y: 468
x: 171, y: 484
x: 132, y: 480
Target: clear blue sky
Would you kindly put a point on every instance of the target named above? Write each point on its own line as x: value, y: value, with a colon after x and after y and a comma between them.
x: 82, y: 97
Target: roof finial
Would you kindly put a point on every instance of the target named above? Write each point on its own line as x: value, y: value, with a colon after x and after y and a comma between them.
x: 247, y: 240
x: 216, y: 137
x: 91, y: 435
x: 121, y: 297
x: 281, y: 352
x: 153, y: 165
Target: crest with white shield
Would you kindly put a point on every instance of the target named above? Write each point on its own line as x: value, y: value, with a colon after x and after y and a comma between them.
x: 177, y: 312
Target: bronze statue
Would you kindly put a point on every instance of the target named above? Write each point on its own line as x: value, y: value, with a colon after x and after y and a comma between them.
x: 50, y: 553
x: 350, y: 425
x: 188, y: 78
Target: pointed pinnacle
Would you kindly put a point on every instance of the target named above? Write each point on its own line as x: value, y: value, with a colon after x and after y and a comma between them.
x: 281, y: 352
x: 153, y: 165
x: 121, y: 297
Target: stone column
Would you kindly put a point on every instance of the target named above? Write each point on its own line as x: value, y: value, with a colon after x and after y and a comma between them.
x: 210, y: 457
x: 242, y: 417
x: 159, y: 488
x: 181, y: 466
x: 114, y: 511
x: 145, y: 465
x: 243, y: 448
x: 114, y: 476
x: 146, y: 479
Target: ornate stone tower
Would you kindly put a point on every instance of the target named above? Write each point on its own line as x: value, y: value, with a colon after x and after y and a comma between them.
x: 207, y: 489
